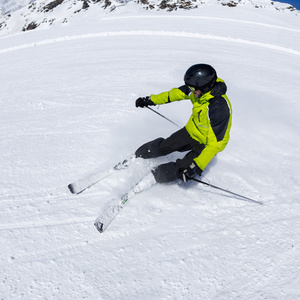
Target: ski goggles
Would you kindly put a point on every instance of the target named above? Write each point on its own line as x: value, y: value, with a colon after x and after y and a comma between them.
x: 192, y: 89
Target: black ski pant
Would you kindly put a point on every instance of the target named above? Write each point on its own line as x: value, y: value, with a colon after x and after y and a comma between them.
x: 179, y: 141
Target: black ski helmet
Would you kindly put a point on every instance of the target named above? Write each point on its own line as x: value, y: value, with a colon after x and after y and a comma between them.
x: 201, y: 76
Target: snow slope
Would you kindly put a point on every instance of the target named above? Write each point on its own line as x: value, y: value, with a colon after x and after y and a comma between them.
x: 67, y: 99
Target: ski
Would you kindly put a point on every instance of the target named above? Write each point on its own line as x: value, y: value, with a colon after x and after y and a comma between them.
x: 81, y: 185
x: 115, y: 206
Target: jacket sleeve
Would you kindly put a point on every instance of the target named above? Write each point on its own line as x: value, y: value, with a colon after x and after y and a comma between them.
x: 211, y: 149
x: 175, y: 94
x: 218, y: 132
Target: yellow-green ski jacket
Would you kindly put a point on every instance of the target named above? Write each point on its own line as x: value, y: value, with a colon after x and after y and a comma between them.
x: 210, y: 121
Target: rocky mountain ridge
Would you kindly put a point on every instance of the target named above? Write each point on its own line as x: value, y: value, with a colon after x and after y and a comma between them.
x: 24, y: 15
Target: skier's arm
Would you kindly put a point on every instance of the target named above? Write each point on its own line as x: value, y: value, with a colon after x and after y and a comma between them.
x: 208, y: 154
x: 218, y: 132
x: 175, y: 94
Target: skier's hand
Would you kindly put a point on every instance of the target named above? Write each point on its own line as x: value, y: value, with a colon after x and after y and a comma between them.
x: 189, y: 172
x: 143, y: 101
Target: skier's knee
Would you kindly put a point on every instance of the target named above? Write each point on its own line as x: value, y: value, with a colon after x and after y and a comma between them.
x: 165, y: 172
x: 150, y: 149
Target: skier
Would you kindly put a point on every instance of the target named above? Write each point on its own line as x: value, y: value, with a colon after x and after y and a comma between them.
x: 205, y: 134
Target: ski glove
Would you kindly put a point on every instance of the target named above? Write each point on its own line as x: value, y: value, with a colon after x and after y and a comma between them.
x: 143, y: 101
x: 189, y: 172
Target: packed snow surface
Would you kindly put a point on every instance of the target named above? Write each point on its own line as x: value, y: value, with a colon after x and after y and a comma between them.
x: 67, y: 111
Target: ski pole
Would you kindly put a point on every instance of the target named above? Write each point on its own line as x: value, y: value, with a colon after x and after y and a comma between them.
x: 163, y: 116
x: 232, y: 193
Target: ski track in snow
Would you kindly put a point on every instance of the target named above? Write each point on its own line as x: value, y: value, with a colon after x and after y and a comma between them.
x: 154, y: 33
x: 203, y: 18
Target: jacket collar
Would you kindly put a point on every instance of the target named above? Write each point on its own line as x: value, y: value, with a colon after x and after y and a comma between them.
x: 219, y: 90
